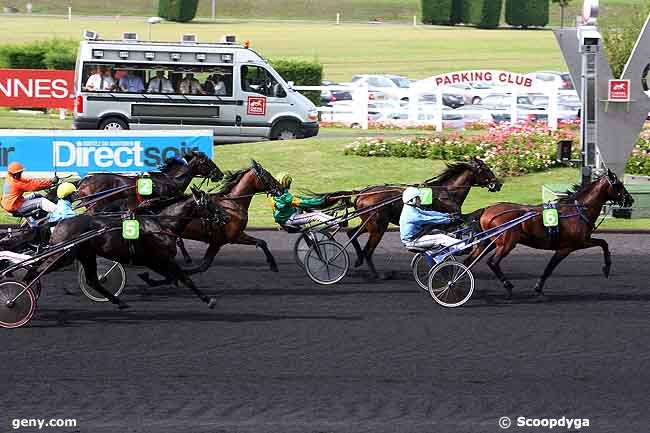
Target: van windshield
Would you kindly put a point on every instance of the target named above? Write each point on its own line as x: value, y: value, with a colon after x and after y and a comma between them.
x: 161, y: 78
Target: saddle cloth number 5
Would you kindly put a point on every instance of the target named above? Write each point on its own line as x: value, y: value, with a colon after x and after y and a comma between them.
x: 130, y: 229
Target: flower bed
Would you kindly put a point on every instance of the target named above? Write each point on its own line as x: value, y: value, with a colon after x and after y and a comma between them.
x: 639, y: 162
x: 509, y: 149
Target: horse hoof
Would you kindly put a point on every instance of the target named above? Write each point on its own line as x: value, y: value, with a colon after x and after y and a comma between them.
x: 123, y: 306
x: 606, y: 270
x: 274, y: 268
x: 541, y: 297
x: 188, y: 261
x: 212, y: 303
x: 387, y: 276
x: 144, y: 276
x: 358, y: 263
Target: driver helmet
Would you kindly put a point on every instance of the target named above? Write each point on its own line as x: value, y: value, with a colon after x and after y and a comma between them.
x: 410, y: 194
x: 15, y: 168
x: 65, y: 189
x: 284, y: 179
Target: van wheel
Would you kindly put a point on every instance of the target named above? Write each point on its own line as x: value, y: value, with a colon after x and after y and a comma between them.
x: 285, y: 130
x: 113, y: 124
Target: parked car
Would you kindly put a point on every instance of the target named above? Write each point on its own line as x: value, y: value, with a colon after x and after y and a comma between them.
x: 565, y: 111
x: 393, y: 86
x: 449, y: 99
x: 327, y: 97
x: 501, y: 103
x: 475, y: 113
x: 474, y: 91
x: 426, y: 116
x: 561, y: 79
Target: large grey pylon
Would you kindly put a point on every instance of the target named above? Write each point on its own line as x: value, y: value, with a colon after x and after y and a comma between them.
x: 617, y: 129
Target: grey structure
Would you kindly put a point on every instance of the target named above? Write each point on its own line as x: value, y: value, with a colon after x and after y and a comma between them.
x: 618, y: 124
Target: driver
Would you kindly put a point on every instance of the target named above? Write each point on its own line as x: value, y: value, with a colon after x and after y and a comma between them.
x: 64, y: 205
x: 287, y: 208
x: 413, y: 220
x: 14, y: 187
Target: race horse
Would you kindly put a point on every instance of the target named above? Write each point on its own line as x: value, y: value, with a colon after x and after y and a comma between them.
x: 234, y: 198
x: 155, y: 248
x: 450, y: 189
x: 578, y: 214
x: 172, y: 180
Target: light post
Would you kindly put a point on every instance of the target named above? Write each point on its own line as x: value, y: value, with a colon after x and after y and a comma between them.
x: 151, y: 21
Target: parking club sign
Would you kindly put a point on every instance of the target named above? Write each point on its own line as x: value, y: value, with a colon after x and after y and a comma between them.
x: 618, y: 90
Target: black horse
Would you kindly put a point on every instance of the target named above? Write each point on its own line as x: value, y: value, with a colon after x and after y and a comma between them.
x: 155, y: 248
x: 175, y: 176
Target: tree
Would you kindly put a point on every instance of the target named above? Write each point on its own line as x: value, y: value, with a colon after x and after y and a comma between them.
x: 620, y: 34
x: 562, y: 4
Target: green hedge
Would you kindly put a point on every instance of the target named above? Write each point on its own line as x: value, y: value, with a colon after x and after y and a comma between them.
x: 56, y: 54
x: 490, y: 15
x: 481, y: 13
x: 178, y: 10
x: 527, y: 13
x: 302, y: 73
x: 436, y: 11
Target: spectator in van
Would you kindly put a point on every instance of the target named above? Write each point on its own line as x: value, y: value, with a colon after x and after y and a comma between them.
x: 190, y: 85
x: 131, y: 83
x: 215, y: 85
x: 160, y: 84
x: 100, y: 81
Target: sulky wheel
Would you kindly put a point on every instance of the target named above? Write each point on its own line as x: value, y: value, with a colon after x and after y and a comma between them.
x: 15, y: 311
x: 451, y: 284
x: 305, y: 241
x: 327, y: 262
x: 421, y: 265
x: 111, y: 276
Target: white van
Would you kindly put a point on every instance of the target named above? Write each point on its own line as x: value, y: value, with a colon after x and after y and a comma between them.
x: 131, y: 84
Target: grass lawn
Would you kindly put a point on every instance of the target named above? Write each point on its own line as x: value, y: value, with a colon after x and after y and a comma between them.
x: 416, y: 52
x: 351, y: 10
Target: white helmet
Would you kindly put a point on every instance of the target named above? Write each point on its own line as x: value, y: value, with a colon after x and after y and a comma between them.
x: 410, y: 194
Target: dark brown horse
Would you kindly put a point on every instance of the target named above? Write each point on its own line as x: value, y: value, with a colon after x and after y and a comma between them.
x: 450, y: 189
x: 234, y: 198
x: 172, y: 180
x: 578, y: 213
x: 155, y: 248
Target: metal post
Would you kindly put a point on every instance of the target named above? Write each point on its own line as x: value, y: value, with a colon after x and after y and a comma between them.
x: 69, y: 13
x: 439, y: 105
x: 214, y: 10
x: 338, y: 18
x: 588, y: 112
x: 415, y: 20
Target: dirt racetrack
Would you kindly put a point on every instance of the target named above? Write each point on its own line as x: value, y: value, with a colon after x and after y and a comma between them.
x: 281, y: 354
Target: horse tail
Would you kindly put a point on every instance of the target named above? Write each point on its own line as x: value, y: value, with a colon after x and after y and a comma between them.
x: 334, y: 197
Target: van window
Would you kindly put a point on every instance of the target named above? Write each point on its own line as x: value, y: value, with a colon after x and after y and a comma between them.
x: 167, y: 79
x: 256, y: 79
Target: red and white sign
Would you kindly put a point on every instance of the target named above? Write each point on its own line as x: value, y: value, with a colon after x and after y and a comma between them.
x: 36, y: 88
x: 498, y: 77
x: 256, y: 106
x: 618, y: 90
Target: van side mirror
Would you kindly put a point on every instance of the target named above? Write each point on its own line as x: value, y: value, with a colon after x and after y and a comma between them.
x: 290, y: 84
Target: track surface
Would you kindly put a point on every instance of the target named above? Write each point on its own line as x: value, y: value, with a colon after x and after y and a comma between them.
x: 281, y: 354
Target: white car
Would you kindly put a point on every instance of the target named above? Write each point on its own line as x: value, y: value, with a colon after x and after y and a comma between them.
x: 562, y: 80
x: 393, y: 86
x: 475, y: 91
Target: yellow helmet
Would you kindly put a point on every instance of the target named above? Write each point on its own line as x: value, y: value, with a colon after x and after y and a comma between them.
x: 285, y: 179
x: 65, y: 189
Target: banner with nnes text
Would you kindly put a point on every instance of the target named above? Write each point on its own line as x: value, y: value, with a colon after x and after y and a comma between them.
x: 36, y: 88
x: 45, y: 152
